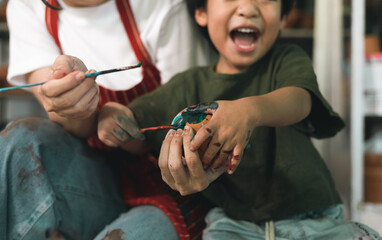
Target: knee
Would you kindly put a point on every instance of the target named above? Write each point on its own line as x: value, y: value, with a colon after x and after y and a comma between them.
x: 21, y: 141
x: 148, y: 212
x: 151, y: 216
x: 142, y: 222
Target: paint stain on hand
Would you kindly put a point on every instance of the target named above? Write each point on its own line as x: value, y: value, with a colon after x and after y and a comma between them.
x: 115, y: 234
x: 129, y: 127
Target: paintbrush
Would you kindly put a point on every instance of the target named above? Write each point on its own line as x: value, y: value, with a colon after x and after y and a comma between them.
x: 195, y: 121
x: 86, y: 76
x: 142, y: 130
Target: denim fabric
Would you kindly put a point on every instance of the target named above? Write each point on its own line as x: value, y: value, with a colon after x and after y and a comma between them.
x: 51, y: 181
x: 328, y: 223
x: 129, y: 226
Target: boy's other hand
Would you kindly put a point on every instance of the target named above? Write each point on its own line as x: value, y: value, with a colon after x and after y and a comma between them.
x: 184, y: 174
x: 117, y: 126
x: 230, y: 131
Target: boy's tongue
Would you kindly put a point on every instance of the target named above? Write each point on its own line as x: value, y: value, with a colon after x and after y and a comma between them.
x: 243, y: 39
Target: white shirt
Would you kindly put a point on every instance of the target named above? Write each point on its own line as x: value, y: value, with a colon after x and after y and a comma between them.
x: 96, y: 36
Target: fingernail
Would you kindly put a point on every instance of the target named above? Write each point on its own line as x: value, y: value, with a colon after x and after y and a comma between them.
x: 171, y: 132
x: 179, y: 132
x: 80, y: 76
x: 186, y: 130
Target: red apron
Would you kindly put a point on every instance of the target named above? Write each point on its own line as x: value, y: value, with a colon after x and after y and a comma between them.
x: 142, y: 182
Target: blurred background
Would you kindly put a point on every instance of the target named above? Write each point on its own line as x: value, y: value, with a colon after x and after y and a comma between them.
x: 343, y: 38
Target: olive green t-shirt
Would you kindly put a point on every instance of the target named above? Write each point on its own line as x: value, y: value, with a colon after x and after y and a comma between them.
x: 281, y: 174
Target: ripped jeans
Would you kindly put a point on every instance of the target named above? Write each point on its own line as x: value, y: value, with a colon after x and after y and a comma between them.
x: 51, y: 181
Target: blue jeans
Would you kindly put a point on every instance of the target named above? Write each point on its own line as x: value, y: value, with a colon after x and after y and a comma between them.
x: 51, y: 181
x: 327, y: 223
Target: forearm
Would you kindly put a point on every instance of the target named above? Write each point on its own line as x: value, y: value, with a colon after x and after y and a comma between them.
x: 281, y: 107
x: 82, y: 128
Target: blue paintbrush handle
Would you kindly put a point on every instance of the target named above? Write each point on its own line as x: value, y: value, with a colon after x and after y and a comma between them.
x: 86, y: 76
x: 22, y: 86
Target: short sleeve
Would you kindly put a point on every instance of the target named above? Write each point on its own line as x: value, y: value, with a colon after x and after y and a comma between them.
x: 31, y: 46
x: 294, y: 68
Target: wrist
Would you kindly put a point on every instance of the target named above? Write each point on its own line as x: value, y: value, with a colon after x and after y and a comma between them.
x: 251, y: 109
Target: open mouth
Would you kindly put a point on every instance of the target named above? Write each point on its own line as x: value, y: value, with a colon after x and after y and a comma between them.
x: 245, y: 38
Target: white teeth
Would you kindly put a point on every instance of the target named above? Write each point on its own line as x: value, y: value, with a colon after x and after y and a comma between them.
x: 244, y: 46
x: 245, y: 30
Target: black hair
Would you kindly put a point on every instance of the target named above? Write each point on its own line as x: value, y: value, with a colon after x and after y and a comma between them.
x: 286, y: 7
x: 193, y: 5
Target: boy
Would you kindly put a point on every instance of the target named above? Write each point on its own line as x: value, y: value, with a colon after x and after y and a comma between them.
x: 268, y: 100
x: 50, y: 178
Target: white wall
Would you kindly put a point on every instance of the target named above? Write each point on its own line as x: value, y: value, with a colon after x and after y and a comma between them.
x: 328, y: 58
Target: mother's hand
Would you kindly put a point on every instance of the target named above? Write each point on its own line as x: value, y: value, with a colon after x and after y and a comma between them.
x: 69, y: 94
x: 185, y: 174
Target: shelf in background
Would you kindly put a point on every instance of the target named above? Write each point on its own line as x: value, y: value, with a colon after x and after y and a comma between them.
x: 371, y: 215
x: 304, y: 33
x: 302, y: 37
x: 3, y: 27
x: 373, y: 114
x: 297, y: 33
x: 4, y: 32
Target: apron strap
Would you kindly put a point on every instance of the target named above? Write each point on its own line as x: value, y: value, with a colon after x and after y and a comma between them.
x: 152, y: 75
x: 51, y: 20
x: 132, y: 31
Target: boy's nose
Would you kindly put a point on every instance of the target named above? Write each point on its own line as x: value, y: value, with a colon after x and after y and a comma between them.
x: 248, y: 8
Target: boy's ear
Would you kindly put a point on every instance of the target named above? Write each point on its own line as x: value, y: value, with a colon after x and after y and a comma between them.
x: 201, y: 16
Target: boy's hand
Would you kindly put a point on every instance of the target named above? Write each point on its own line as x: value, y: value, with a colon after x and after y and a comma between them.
x: 117, y: 126
x: 184, y: 174
x: 229, y: 130
x: 68, y: 94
